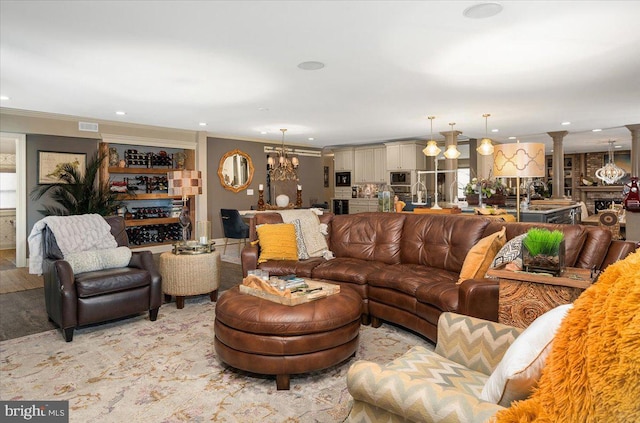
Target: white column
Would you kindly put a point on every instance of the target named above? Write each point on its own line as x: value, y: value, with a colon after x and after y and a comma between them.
x: 558, y: 163
x: 635, y: 148
x: 451, y: 138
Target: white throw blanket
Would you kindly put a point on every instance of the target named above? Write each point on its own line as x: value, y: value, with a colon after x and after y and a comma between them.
x: 312, y: 230
x: 73, y: 234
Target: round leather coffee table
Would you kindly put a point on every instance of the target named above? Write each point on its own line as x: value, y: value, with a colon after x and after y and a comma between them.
x: 264, y: 337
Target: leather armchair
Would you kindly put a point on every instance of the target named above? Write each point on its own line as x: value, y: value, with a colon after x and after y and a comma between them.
x: 74, y: 300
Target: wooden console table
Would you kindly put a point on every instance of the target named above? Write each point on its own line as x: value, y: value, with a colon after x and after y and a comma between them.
x: 524, y: 296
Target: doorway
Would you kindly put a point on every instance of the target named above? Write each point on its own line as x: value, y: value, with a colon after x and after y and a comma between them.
x: 13, y: 168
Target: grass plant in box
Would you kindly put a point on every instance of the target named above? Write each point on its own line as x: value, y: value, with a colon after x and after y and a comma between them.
x: 543, y: 251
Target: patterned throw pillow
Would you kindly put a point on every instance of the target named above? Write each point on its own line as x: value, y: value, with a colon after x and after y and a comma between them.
x: 302, y: 248
x: 509, y: 252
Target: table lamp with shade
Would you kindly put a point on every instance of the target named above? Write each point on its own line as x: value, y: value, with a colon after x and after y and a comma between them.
x: 184, y: 183
x: 519, y: 160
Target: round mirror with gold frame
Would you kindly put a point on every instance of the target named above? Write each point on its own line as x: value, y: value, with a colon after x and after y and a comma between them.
x: 235, y: 170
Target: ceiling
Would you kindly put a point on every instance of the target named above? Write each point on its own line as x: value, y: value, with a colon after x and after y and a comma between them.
x: 388, y: 65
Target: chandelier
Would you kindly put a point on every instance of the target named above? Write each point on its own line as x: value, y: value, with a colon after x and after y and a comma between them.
x: 284, y: 169
x: 610, y: 173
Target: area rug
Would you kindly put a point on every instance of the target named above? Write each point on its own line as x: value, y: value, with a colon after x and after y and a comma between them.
x: 167, y: 371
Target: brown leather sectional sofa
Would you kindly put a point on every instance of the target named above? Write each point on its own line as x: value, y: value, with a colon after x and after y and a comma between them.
x: 405, y: 266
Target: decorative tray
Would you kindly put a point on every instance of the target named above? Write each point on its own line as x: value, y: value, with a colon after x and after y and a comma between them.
x: 315, y: 291
x: 193, y: 247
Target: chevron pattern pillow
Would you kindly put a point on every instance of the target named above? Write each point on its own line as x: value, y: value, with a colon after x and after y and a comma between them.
x: 472, y: 342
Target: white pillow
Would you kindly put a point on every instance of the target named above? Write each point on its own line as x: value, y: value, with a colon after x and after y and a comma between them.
x: 88, y: 261
x: 521, y: 366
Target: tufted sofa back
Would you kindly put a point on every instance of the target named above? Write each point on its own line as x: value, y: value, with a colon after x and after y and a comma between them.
x: 368, y: 236
x: 586, y: 246
x: 443, y: 241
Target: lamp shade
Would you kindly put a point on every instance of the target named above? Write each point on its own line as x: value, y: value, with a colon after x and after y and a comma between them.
x: 184, y: 182
x: 431, y: 149
x: 525, y: 160
x: 486, y: 147
x: 452, y: 152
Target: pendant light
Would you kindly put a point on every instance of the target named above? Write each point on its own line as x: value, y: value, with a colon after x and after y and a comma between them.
x: 486, y: 145
x: 431, y: 150
x: 452, y: 152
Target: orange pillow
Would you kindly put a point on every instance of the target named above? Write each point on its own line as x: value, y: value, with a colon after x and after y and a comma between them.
x: 277, y: 242
x: 481, y: 255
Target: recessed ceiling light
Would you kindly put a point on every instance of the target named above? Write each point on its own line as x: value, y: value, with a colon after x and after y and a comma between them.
x: 203, y: 124
x: 120, y: 113
x: 311, y: 65
x: 596, y: 130
x: 512, y: 138
x: 263, y: 132
x: 482, y: 10
x: 617, y: 146
x: 4, y: 97
x: 565, y: 123
x: 311, y: 138
x: 495, y: 130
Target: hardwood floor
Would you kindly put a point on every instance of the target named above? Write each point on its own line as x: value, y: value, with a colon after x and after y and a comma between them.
x: 14, y: 279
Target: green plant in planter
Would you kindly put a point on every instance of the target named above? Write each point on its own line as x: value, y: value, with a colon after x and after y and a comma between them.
x: 542, y: 241
x: 543, y: 251
x: 78, y: 193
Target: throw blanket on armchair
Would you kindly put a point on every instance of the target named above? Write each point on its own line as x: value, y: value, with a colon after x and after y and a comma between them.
x: 593, y: 371
x: 73, y: 234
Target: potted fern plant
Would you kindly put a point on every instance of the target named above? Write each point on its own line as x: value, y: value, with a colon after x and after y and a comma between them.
x: 79, y: 193
x: 543, y: 251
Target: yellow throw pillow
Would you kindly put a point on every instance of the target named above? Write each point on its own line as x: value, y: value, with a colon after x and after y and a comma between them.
x: 481, y: 255
x: 277, y: 242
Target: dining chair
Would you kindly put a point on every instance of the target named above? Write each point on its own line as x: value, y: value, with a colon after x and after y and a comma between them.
x: 234, y: 227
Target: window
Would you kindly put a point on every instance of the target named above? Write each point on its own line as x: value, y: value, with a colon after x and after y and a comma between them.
x: 8, y: 183
x: 464, y: 176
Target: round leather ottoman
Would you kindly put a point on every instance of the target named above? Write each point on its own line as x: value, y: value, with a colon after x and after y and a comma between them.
x: 263, y: 337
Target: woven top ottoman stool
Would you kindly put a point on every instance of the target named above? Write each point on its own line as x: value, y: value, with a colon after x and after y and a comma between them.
x: 190, y: 274
x: 264, y: 337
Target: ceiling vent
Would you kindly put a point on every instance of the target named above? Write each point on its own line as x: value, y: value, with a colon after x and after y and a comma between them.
x: 87, y: 127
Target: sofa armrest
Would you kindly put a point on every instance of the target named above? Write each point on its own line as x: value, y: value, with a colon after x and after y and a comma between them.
x: 416, y: 400
x: 475, y: 343
x: 617, y: 251
x: 249, y: 258
x: 144, y: 260
x: 479, y: 298
x: 60, y: 292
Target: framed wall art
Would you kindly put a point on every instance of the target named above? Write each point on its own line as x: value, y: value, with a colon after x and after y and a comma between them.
x: 50, y: 165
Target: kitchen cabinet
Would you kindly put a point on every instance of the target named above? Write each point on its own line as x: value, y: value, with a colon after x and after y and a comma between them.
x: 343, y: 159
x: 370, y: 165
x: 569, y: 167
x: 362, y: 205
x: 405, y: 156
x: 568, y: 215
x: 151, y: 217
x: 380, y: 165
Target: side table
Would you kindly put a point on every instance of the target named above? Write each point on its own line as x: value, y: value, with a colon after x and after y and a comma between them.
x: 524, y: 296
x: 190, y: 274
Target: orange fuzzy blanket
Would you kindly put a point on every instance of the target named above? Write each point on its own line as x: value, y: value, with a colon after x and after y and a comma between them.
x: 593, y: 371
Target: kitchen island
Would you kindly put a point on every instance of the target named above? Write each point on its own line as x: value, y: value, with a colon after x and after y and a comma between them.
x: 544, y: 214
